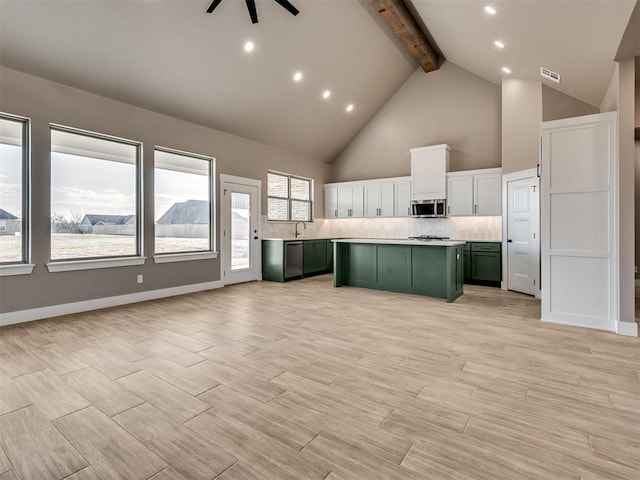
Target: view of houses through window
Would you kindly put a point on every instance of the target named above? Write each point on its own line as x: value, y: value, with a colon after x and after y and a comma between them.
x: 94, y: 195
x: 13, y: 155
x: 288, y: 197
x: 182, y: 202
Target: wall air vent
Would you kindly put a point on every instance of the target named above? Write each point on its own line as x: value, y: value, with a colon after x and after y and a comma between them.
x: 549, y: 75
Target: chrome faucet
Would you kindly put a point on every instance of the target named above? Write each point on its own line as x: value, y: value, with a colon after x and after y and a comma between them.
x: 296, y: 234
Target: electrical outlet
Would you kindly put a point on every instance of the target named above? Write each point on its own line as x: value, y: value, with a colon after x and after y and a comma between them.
x: 140, y: 279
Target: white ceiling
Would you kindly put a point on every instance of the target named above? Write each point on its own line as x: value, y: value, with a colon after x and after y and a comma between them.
x: 576, y: 38
x: 172, y: 57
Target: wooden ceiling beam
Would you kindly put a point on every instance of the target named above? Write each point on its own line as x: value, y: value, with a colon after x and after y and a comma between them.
x: 406, y: 28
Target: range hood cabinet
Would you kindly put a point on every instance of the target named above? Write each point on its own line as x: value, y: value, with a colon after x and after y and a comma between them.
x: 429, y: 167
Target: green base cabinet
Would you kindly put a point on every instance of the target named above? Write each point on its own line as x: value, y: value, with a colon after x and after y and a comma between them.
x: 483, y: 263
x: 317, y: 258
x: 435, y: 271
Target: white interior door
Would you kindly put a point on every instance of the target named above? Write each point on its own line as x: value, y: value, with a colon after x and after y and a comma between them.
x: 523, y: 238
x: 579, y: 221
x: 240, y: 236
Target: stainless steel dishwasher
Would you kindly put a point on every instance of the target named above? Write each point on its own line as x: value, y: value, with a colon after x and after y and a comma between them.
x: 292, y: 260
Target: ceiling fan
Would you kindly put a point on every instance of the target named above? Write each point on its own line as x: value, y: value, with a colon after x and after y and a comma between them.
x: 251, y: 6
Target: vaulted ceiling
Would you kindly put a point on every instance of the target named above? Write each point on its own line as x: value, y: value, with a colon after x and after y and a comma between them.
x: 172, y: 57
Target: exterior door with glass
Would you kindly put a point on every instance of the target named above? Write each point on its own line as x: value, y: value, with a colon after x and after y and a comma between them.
x: 240, y: 235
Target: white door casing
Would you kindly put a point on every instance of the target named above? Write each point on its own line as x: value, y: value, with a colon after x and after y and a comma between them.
x: 521, y: 243
x: 579, y: 234
x: 240, y: 234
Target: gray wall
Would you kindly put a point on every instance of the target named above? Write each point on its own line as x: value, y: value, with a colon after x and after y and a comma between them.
x: 521, y: 117
x: 450, y: 105
x: 557, y: 105
x: 44, y: 102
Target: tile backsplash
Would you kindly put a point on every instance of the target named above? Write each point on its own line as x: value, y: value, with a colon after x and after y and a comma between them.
x: 458, y: 228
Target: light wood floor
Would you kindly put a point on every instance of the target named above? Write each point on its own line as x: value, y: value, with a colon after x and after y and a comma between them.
x: 304, y: 381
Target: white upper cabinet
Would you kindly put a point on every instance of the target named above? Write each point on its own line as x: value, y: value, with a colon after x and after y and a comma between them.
x: 402, y: 200
x: 387, y: 197
x: 460, y: 195
x: 429, y: 167
x: 350, y: 201
x: 475, y: 192
x: 331, y: 202
x: 378, y: 199
x: 487, y: 194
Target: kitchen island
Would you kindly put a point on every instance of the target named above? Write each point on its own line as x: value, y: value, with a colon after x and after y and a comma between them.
x: 433, y: 268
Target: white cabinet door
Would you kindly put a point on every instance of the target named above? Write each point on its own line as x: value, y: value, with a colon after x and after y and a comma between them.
x: 330, y: 202
x: 460, y: 195
x: 402, y: 204
x: 429, y: 166
x: 351, y: 201
x: 357, y: 205
x: 345, y: 201
x: 371, y: 200
x: 386, y: 200
x: 378, y: 200
x: 487, y: 194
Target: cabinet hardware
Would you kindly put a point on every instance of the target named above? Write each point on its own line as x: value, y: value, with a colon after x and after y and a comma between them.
x: 336, y: 213
x: 475, y: 209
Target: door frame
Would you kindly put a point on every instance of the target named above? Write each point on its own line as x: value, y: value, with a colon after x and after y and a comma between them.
x: 224, y: 253
x: 510, y: 177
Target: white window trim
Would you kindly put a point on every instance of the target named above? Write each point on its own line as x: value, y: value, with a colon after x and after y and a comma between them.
x: 289, y: 199
x: 108, y: 262
x: 26, y: 267
x: 190, y: 255
x: 184, y: 257
x: 17, y: 269
x: 94, y: 263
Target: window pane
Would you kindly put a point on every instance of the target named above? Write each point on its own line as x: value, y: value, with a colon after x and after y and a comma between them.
x: 11, y: 190
x: 182, y: 203
x: 93, y: 197
x: 240, y: 230
x: 277, y: 185
x: 277, y: 209
x: 300, y: 189
x: 300, y: 211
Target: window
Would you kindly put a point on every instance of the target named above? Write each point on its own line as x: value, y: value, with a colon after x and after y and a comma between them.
x: 14, y: 191
x: 95, y: 196
x: 183, y: 205
x: 288, y: 197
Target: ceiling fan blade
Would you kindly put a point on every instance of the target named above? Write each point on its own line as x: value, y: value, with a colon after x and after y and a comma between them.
x: 253, y: 13
x: 213, y: 5
x: 286, y: 4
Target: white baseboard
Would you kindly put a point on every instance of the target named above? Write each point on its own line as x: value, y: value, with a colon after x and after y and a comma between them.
x: 21, y: 316
x: 629, y: 329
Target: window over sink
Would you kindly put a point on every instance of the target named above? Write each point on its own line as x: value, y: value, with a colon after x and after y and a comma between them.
x: 289, y: 197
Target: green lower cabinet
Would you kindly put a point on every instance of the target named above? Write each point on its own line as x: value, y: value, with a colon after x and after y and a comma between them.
x: 483, y: 263
x: 436, y: 271
x: 315, y: 256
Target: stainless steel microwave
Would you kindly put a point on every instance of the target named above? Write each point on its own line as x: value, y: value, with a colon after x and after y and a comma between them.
x: 429, y: 208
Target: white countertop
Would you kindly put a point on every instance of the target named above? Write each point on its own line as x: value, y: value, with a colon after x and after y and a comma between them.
x: 291, y: 239
x: 402, y: 241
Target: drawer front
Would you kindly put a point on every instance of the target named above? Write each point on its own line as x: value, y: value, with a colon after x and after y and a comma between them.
x: 486, y: 247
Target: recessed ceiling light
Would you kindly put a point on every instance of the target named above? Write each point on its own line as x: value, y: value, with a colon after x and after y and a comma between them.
x: 490, y: 10
x: 498, y: 44
x: 297, y: 76
x: 326, y: 94
x: 349, y: 107
x: 506, y: 70
x: 249, y: 46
